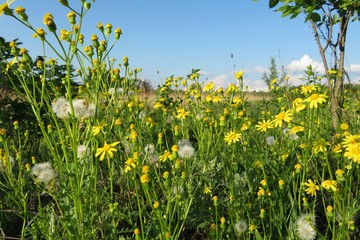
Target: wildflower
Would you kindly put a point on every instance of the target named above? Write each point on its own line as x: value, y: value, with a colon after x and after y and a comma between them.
x: 281, y: 183
x: 4, y: 8
x: 344, y: 126
x: 305, y: 227
x: 186, y: 150
x: 240, y: 227
x: 305, y: 89
x: 207, y: 190
x: 130, y: 164
x: 96, y: 129
x: 312, y: 187
x: 319, y: 146
x: 39, y: 33
x: 44, y: 172
x: 296, y: 129
x: 232, y: 137
x: 329, y: 185
x: 106, y: 150
x: 298, y: 167
x: 332, y: 72
x: 209, y: 87
x: 215, y: 199
x: 270, y: 140
x: 252, y: 227
x: 156, y: 204
x: 166, y: 156
x: 261, y: 192
x: 145, y: 178
x: 182, y: 113
x: 264, y: 125
x: 298, y: 105
x: 316, y: 99
x: 61, y: 107
x: 329, y: 211
x: 49, y: 21
x: 239, y: 74
x: 282, y: 117
x: 351, y: 140
x: 353, y: 152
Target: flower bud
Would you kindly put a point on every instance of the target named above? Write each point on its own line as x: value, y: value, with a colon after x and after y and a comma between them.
x: 21, y: 12
x: 118, y: 33
x: 87, y: 5
x: 71, y: 17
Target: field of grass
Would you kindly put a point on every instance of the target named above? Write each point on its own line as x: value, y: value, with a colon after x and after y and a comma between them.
x: 191, y: 161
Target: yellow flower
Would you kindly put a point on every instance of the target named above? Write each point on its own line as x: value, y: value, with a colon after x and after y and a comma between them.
x: 207, y: 190
x: 350, y: 140
x: 239, y: 74
x: 182, y: 113
x: 329, y: 185
x: 264, y: 125
x: 130, y: 164
x: 282, y: 116
x: 232, y: 137
x: 307, y: 89
x: 353, y: 152
x: 209, y: 87
x: 166, y: 156
x: 312, y: 187
x: 344, y: 126
x: 261, y: 192
x: 4, y: 8
x: 298, y: 104
x: 48, y: 19
x: 320, y: 146
x: 145, y: 178
x: 39, y: 33
x: 332, y: 72
x: 20, y: 9
x: 106, y: 150
x: 316, y: 99
x: 296, y: 129
x: 96, y: 129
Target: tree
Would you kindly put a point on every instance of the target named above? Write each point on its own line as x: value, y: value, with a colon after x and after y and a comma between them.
x: 329, y: 20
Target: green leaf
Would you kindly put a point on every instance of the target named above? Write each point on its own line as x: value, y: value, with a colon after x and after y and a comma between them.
x: 273, y: 3
x: 315, y: 17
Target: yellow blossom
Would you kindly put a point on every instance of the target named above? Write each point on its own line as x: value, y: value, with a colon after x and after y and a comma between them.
x: 316, y: 99
x: 296, y: 129
x: 232, y: 137
x: 182, y: 113
x: 282, y: 117
x: 106, y: 150
x: 329, y: 185
x: 166, y: 156
x: 305, y: 89
x: 264, y: 125
x: 312, y: 188
x: 96, y: 129
x: 239, y: 74
x: 209, y: 87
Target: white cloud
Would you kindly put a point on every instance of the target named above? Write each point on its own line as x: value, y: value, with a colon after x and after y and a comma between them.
x: 305, y: 61
x: 203, y: 73
x: 354, y: 68
x: 261, y: 70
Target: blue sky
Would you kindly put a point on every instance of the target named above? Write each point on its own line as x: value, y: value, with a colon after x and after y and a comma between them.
x: 171, y: 37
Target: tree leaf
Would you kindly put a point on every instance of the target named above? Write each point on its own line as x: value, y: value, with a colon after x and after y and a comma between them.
x: 315, y: 17
x: 273, y: 3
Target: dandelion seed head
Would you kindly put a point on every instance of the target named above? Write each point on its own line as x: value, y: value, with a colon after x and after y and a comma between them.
x: 240, y: 227
x: 44, y: 172
x: 305, y: 227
